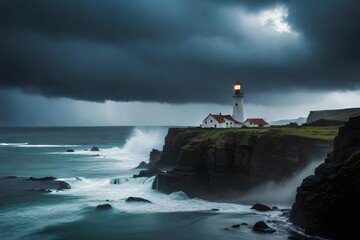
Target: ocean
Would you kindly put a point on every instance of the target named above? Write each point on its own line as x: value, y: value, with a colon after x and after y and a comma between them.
x: 72, y: 214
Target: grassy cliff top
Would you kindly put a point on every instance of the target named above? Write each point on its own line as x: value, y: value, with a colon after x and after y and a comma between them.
x: 344, y: 117
x: 219, y: 136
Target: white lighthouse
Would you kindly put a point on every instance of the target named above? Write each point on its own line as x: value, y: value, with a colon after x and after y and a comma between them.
x: 238, y: 103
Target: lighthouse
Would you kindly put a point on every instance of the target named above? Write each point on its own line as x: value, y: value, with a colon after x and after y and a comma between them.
x: 238, y: 103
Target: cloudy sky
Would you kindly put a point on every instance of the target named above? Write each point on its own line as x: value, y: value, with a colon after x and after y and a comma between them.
x: 161, y: 62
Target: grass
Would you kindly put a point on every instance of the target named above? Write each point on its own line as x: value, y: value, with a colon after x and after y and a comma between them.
x: 218, y: 137
x: 344, y: 117
x: 354, y: 161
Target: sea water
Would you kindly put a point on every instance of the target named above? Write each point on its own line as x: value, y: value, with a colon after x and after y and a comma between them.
x: 72, y: 214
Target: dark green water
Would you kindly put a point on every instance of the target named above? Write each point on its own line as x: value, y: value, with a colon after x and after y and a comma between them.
x: 71, y: 214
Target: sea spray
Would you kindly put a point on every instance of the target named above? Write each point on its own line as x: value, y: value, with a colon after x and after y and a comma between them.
x: 136, y: 148
x: 280, y: 193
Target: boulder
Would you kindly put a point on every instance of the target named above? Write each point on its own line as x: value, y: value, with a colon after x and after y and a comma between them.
x: 94, y: 149
x: 137, y: 199
x: 105, y: 206
x: 261, y: 226
x: 235, y: 226
x: 70, y: 150
x: 261, y: 207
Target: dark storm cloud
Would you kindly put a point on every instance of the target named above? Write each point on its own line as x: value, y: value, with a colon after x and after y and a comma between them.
x: 175, y: 51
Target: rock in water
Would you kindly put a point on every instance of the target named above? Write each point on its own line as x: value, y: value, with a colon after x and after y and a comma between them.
x: 261, y: 207
x: 105, y: 206
x: 261, y: 226
x: 137, y: 199
x: 94, y: 149
x: 41, y: 179
x: 70, y: 150
x: 235, y: 226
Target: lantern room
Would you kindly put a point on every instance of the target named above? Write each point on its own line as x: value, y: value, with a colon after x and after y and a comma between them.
x: 237, y: 88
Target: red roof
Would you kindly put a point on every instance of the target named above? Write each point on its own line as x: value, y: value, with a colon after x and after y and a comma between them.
x: 257, y: 121
x: 221, y: 118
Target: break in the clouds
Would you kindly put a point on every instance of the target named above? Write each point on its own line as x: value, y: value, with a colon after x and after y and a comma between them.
x: 178, y: 51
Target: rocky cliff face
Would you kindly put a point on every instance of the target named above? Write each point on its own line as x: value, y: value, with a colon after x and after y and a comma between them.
x: 215, y: 162
x: 328, y: 203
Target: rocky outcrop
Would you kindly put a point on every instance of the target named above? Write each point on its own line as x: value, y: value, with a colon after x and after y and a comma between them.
x: 261, y: 226
x: 328, y: 203
x: 137, y: 199
x: 94, y: 149
x: 105, y: 206
x: 261, y: 207
x: 155, y: 156
x: 214, y: 162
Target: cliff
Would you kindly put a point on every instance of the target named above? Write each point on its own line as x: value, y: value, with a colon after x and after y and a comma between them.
x: 327, y: 203
x: 339, y: 115
x: 217, y: 162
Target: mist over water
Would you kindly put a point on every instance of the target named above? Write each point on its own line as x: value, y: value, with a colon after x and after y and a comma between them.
x: 280, y: 193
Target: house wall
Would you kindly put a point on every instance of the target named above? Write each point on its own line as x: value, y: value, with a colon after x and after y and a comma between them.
x: 210, y: 122
x: 248, y: 124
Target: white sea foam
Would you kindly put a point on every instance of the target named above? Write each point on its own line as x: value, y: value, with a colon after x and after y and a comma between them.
x: 96, y: 191
x: 135, y: 150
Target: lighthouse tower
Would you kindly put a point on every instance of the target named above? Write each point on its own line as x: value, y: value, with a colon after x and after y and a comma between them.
x: 238, y: 103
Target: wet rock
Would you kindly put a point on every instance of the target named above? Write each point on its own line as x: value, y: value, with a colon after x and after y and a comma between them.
x: 70, y: 150
x: 137, y: 199
x: 261, y: 226
x: 79, y: 179
x: 142, y: 165
x: 235, y: 226
x: 244, y: 224
x: 41, y: 179
x: 327, y: 202
x: 215, y: 209
x: 63, y: 185
x: 105, y: 206
x: 261, y: 207
x: 154, y: 156
x: 293, y: 238
x: 274, y: 208
x: 147, y: 173
x: 94, y: 149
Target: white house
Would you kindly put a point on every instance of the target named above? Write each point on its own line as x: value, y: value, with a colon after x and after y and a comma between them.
x: 228, y: 121
x: 256, y: 122
x: 220, y: 121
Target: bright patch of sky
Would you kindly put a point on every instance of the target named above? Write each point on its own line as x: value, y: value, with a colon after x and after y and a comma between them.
x: 276, y: 19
